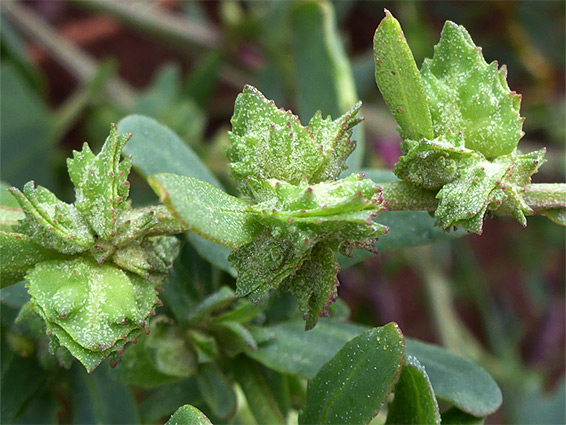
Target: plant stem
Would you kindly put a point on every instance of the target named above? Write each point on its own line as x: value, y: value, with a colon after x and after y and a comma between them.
x: 403, y: 196
x: 81, y: 65
x: 543, y: 196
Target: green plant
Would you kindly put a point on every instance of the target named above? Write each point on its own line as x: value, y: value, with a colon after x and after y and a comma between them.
x: 92, y: 268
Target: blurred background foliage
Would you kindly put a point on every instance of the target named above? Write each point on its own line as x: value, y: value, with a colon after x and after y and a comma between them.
x: 70, y: 68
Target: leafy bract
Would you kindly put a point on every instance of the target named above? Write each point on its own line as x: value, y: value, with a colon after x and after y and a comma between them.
x: 470, y: 154
x: 101, y: 184
x: 467, y: 95
x: 271, y: 143
x: 302, y: 225
x: 469, y: 184
x: 100, y: 299
x: 92, y: 309
x: 414, y: 401
x: 297, y: 214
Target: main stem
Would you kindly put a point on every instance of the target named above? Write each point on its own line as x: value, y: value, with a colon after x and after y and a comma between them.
x: 403, y: 196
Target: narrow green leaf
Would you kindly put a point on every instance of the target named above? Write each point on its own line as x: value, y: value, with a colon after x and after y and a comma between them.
x: 414, y: 401
x: 216, y: 390
x: 233, y: 338
x: 324, y: 76
x: 138, y: 368
x: 205, y: 209
x: 219, y: 299
x: 456, y: 380
x: 287, y: 348
x: 18, y: 254
x: 43, y: 409
x: 399, y: 81
x: 157, y: 149
x: 188, y: 415
x: 261, y: 399
x: 169, y: 350
x: 354, y: 384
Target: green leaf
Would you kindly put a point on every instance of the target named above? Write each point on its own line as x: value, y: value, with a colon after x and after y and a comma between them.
x: 206, y: 210
x: 271, y: 143
x: 454, y: 416
x: 467, y: 95
x: 162, y: 93
x: 325, y: 81
x: 101, y: 184
x: 529, y: 402
x: 414, y: 401
x: 92, y: 309
x: 98, y: 399
x: 26, y: 130
x: 259, y: 395
x: 399, y: 81
x: 233, y: 338
x: 157, y: 149
x: 18, y: 254
x: 456, y: 380
x: 188, y: 415
x: 216, y: 391
x: 52, y: 223
x: 217, y: 300
x: 355, y: 383
x: 287, y: 348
